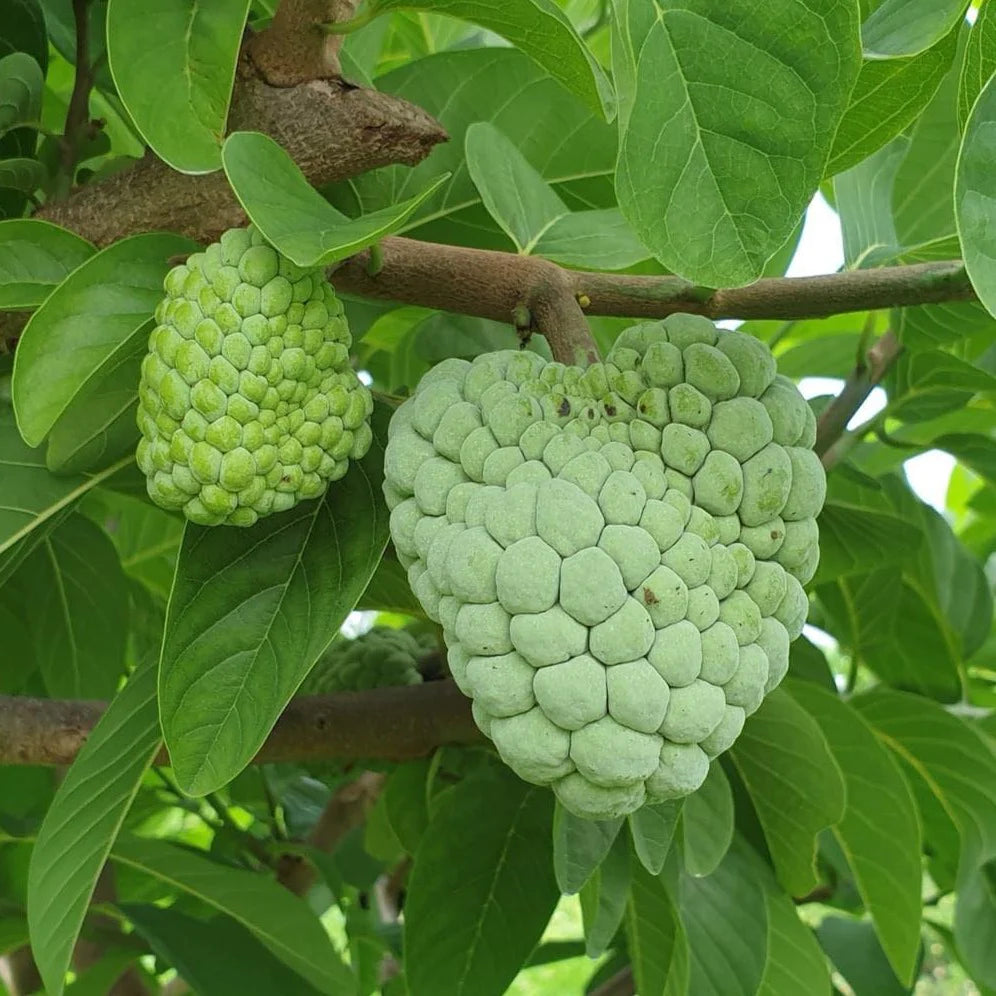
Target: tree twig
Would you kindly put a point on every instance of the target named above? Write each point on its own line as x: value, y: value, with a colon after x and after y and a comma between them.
x: 76, y: 129
x: 385, y: 723
x: 620, y: 984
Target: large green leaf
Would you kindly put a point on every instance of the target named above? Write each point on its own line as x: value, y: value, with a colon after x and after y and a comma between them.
x: 975, y: 196
x: 22, y: 29
x: 279, y: 920
x: 652, y: 828
x: 571, y: 147
x: 482, y: 887
x: 36, y: 257
x: 795, y: 962
x: 541, y: 30
x: 658, y: 948
x: 731, y: 125
x: 21, y: 83
x: 707, y: 824
x: 216, y: 957
x: 887, y: 97
x: 579, y: 846
x: 898, y: 28
x: 250, y: 612
x: 196, y: 49
x: 857, y: 954
x: 22, y: 174
x: 76, y: 608
x: 795, y: 785
x: 84, y: 819
x: 89, y: 316
x: 293, y: 215
x: 600, y: 239
x: 880, y: 831
x: 979, y: 62
x: 406, y: 802
x: 604, y: 896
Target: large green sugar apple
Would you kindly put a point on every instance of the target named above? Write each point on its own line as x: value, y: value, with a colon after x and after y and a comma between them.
x: 379, y: 658
x: 247, y: 401
x: 616, y: 554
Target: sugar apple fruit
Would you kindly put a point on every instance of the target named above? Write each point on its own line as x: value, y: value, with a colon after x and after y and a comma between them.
x: 379, y: 658
x: 247, y: 401
x: 616, y: 554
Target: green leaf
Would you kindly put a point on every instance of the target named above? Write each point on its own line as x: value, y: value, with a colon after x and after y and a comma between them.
x: 854, y: 540
x: 239, y: 641
x: 595, y: 240
x: 84, y: 819
x: 707, y: 824
x: 389, y: 591
x: 976, y: 922
x: 23, y: 175
x: 794, y: 783
x: 196, y: 48
x: 931, y: 325
x: 579, y: 847
x: 604, y: 896
x: 932, y: 382
x: 898, y: 28
x: 21, y: 84
x: 539, y: 29
x: 76, y: 608
x: 292, y: 215
x: 13, y: 933
x: 216, y: 957
x: 720, y: 156
x: 22, y: 29
x: 795, y: 962
x: 279, y: 920
x: 514, y: 193
x: 979, y: 62
x: 887, y: 98
x: 973, y: 450
x: 406, y: 801
x: 975, y: 194
x: 880, y: 831
x: 35, y: 257
x: 652, y: 828
x: 570, y: 147
x: 726, y: 924
x: 482, y: 887
x: 658, y: 948
x: 857, y: 954
x: 83, y: 322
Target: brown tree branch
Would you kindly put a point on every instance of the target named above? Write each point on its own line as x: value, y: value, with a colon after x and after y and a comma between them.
x: 832, y: 424
x: 76, y: 129
x: 393, y: 724
x: 19, y: 973
x: 620, y: 984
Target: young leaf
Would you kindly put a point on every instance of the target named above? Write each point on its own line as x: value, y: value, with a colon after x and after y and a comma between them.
x: 21, y: 85
x: 794, y: 783
x: 975, y: 191
x: 652, y: 829
x: 21, y: 174
x: 979, y: 62
x: 35, y: 257
x: 216, y: 957
x: 880, y: 831
x: 541, y: 30
x: 603, y: 897
x: 579, y: 846
x: 898, y: 28
x: 196, y: 49
x: 887, y: 98
x: 278, y: 919
x: 719, y: 157
x: 596, y: 240
x: 84, y: 819
x: 658, y: 948
x: 81, y: 324
x: 76, y: 607
x: 514, y: 193
x: 486, y: 853
x: 292, y: 215
x: 250, y: 612
x: 707, y: 824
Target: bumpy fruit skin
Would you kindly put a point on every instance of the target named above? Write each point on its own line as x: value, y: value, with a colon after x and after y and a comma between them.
x: 616, y: 554
x: 247, y: 401
x: 379, y: 658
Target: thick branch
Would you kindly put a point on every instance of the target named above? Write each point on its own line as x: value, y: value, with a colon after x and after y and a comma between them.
x: 832, y: 424
x: 490, y: 284
x: 392, y: 724
x: 332, y: 132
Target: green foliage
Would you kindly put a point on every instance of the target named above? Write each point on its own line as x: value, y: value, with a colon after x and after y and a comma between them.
x: 847, y: 839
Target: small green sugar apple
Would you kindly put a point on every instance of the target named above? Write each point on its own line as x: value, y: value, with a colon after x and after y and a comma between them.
x: 616, y: 554
x: 247, y: 401
x: 379, y: 658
